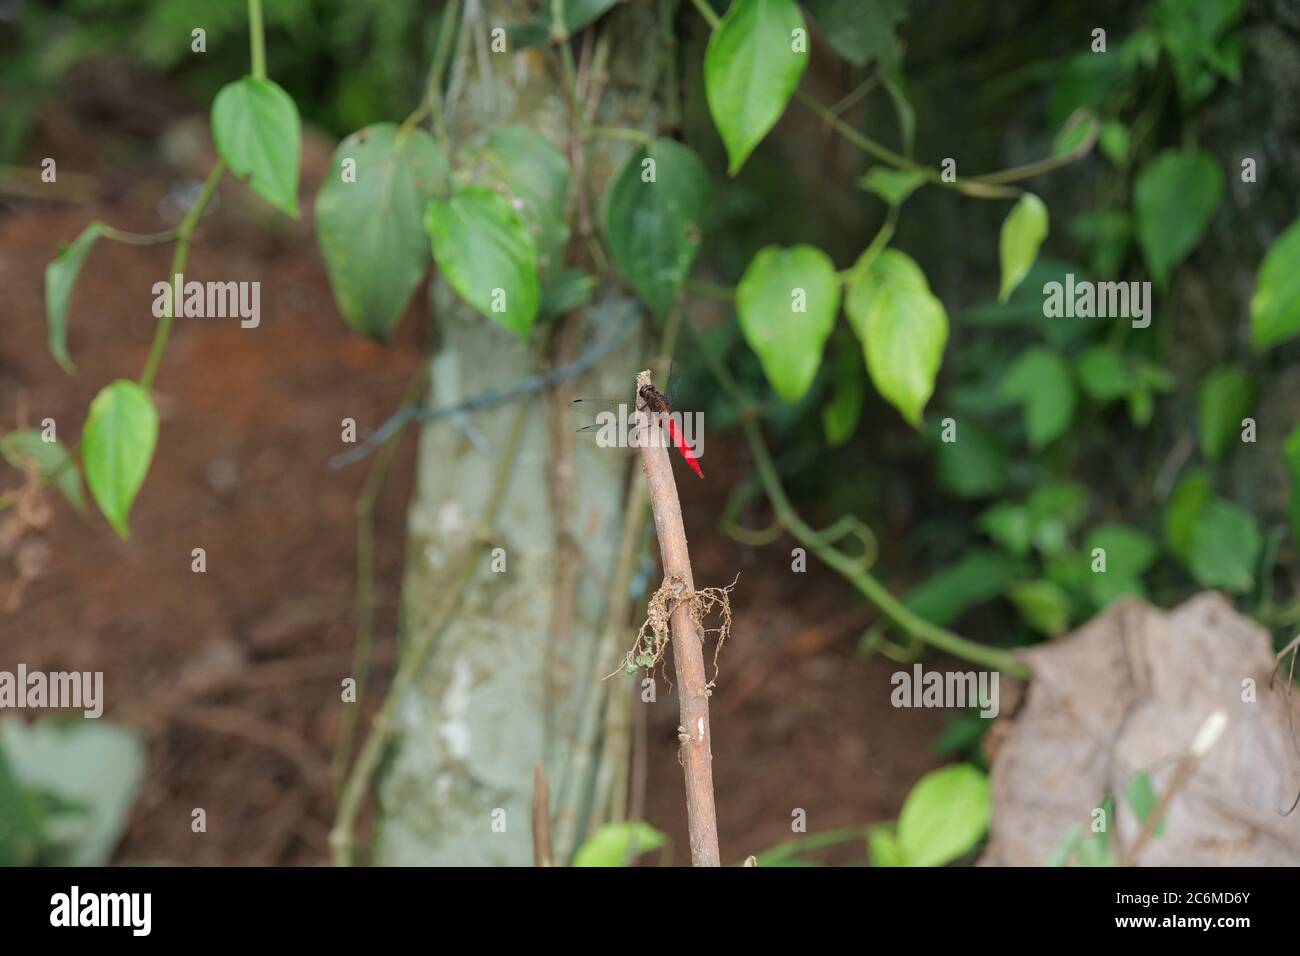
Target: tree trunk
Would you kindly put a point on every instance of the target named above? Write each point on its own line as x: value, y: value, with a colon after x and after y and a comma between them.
x: 514, y: 679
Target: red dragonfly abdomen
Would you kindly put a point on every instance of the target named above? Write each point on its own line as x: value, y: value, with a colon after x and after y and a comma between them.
x: 675, y: 435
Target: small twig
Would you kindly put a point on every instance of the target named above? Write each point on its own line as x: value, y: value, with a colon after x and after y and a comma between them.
x: 688, y: 656
x: 541, y: 818
x: 365, y: 593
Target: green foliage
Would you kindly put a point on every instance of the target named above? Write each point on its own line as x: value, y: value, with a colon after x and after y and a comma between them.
x: 980, y: 575
x: 1044, y: 521
x: 786, y: 303
x: 370, y: 230
x: 618, y: 844
x: 1043, y: 605
x: 1188, y: 499
x: 1023, y: 232
x: 883, y: 848
x: 527, y: 166
x: 1010, y: 525
x: 1291, y: 452
x: 1275, y: 307
x: 577, y: 15
x: 1127, y: 554
x: 1196, y: 37
x: 487, y: 254
x: 1095, y: 850
x: 1040, y: 381
x: 1102, y: 373
x: 861, y: 31
x: 565, y: 291
x: 1225, y: 547
x: 654, y: 225
x: 1218, y: 542
x: 751, y: 70
x: 60, y: 279
x: 1175, y: 197
x: 840, y: 415
x: 974, y: 466
x: 902, y: 326
x: 52, y: 461
x: 256, y: 130
x: 1142, y: 799
x: 1226, y: 397
x: 891, y: 185
x: 944, y: 816
x: 117, y: 446
x: 1113, y: 140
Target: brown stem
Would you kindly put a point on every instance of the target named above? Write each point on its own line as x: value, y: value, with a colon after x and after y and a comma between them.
x: 696, y: 751
x: 541, y: 818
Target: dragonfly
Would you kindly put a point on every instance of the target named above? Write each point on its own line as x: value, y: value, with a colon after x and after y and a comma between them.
x: 657, y: 404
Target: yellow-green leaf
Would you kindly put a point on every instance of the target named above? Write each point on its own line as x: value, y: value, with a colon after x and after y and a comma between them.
x: 117, y: 446
x: 487, y: 254
x: 944, y: 816
x: 787, y: 300
x: 902, y: 326
x: 751, y: 69
x: 1023, y: 231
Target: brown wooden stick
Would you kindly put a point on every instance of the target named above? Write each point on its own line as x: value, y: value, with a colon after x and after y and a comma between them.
x: 696, y: 752
x: 541, y: 818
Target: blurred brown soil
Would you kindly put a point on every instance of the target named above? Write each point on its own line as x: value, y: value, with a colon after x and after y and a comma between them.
x: 234, y: 674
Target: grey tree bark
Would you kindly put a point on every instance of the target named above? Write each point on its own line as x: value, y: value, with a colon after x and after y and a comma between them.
x: 512, y: 677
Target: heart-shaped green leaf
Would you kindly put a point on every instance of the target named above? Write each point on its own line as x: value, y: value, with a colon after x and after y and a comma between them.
x: 787, y: 301
x: 902, y: 326
x: 487, y: 254
x: 60, y: 280
x: 654, y: 217
x: 751, y: 69
x: 618, y: 844
x: 116, y: 447
x: 532, y: 170
x: 369, y: 226
x: 1175, y: 196
x: 944, y: 816
x: 1023, y: 231
x: 1275, y: 306
x: 256, y: 130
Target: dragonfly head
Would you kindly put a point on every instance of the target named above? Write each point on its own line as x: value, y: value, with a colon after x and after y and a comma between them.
x: 652, y: 399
